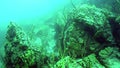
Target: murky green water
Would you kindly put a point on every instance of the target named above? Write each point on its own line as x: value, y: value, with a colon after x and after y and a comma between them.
x: 59, y: 34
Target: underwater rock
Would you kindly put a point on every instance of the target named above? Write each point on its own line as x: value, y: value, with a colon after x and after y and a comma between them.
x: 110, y: 57
x: 106, y: 52
x: 19, y: 52
x: 67, y: 62
x: 87, y: 62
x: 90, y: 62
x: 16, y: 36
x: 87, y: 28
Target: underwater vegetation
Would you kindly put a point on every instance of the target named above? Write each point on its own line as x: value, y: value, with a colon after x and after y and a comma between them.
x: 88, y: 38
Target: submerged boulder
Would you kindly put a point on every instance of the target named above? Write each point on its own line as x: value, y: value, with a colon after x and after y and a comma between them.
x: 87, y: 30
x: 18, y: 52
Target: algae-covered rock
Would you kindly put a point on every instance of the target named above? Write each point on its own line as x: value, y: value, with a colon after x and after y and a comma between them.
x: 110, y: 57
x: 16, y: 35
x: 20, y: 52
x: 86, y: 29
x: 87, y: 62
x: 91, y: 62
x: 67, y: 62
x: 17, y: 49
x: 106, y: 52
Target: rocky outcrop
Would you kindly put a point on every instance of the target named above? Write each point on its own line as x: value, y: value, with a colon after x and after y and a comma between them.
x: 19, y: 53
x: 91, y: 34
x: 87, y: 30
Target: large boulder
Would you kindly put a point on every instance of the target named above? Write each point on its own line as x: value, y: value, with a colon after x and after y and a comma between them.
x: 87, y: 30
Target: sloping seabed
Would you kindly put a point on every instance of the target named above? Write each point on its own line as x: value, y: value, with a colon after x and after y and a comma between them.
x: 85, y: 36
